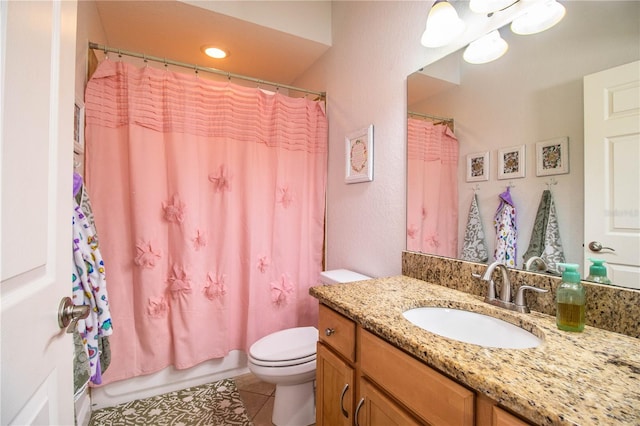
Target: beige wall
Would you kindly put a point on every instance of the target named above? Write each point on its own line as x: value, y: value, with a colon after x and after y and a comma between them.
x: 375, y: 46
x: 89, y: 29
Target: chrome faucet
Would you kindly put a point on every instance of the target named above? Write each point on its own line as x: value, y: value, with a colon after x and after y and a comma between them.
x: 535, y: 263
x: 505, y: 288
x: 505, y: 301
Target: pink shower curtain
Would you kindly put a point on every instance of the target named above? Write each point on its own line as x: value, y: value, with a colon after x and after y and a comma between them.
x: 209, y: 200
x: 432, y: 189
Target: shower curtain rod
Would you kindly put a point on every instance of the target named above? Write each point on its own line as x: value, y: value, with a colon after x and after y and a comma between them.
x: 432, y: 117
x: 105, y: 49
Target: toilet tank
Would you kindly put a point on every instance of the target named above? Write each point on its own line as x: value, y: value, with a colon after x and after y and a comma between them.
x: 336, y: 276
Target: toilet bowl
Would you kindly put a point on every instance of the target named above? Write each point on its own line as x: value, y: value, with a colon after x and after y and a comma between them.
x: 287, y: 358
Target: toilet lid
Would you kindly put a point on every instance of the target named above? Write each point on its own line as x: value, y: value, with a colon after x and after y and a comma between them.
x: 286, y: 345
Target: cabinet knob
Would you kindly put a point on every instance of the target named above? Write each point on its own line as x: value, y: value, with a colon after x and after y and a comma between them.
x: 329, y: 331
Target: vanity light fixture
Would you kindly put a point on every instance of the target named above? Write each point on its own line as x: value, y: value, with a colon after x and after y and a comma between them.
x: 443, y: 25
x: 486, y: 49
x: 214, y: 52
x: 490, y: 6
x: 539, y: 18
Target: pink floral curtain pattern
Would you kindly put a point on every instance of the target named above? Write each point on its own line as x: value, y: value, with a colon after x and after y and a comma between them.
x: 209, y: 198
x: 432, y: 188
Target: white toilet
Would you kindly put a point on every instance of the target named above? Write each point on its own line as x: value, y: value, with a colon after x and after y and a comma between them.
x: 287, y: 358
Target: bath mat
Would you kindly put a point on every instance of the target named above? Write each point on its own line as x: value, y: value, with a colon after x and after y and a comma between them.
x: 212, y: 404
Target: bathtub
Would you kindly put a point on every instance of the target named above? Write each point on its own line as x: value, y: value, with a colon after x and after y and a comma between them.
x: 168, y: 380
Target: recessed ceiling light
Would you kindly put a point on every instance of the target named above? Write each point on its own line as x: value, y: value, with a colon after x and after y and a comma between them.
x: 214, y: 52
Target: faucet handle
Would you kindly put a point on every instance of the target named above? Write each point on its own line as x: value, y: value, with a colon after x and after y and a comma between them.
x: 520, y: 302
x: 492, y: 286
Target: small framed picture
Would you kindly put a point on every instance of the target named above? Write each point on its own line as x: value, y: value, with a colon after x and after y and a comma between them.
x: 78, y: 124
x: 511, y: 162
x: 359, y: 155
x: 478, y: 166
x: 552, y: 157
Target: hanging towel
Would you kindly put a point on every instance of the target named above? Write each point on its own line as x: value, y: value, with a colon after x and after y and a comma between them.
x: 90, y: 288
x: 553, y: 253
x: 545, y: 238
x: 536, y: 244
x: 506, y: 230
x: 474, y: 248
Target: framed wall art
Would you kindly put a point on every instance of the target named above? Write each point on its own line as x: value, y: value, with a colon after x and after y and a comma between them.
x: 478, y: 166
x: 511, y: 162
x: 359, y: 155
x: 552, y: 157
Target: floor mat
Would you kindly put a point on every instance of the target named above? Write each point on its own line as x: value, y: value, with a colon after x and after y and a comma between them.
x: 212, y: 404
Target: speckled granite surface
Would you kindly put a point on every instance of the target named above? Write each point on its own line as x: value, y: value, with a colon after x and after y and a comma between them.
x: 610, y: 308
x: 588, y: 378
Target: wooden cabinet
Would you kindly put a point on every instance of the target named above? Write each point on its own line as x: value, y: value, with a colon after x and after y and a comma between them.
x: 363, y: 380
x: 376, y: 409
x: 489, y: 414
x: 335, y: 370
x: 335, y: 386
x: 436, y: 399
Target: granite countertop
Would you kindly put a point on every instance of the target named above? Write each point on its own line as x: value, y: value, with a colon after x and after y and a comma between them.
x: 588, y: 378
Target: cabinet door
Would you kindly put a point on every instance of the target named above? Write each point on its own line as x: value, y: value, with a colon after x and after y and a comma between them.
x: 378, y: 410
x: 334, y: 389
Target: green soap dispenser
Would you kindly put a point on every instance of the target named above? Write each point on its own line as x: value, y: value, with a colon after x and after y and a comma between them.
x: 598, y: 272
x: 570, y: 297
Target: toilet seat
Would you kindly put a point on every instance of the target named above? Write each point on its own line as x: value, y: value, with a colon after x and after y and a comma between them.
x: 284, y: 348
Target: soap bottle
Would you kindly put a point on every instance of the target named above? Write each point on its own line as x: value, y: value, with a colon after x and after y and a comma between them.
x: 570, y: 299
x: 598, y: 272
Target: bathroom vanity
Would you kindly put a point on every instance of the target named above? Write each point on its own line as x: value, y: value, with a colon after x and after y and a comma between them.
x: 376, y: 368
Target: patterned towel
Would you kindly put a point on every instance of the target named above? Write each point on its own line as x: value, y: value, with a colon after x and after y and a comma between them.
x: 474, y: 248
x: 504, y: 222
x: 545, y: 238
x: 553, y: 252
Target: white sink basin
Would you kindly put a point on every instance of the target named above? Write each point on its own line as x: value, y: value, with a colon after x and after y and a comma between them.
x: 472, y: 327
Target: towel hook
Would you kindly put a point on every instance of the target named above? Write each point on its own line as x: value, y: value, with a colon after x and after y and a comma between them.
x: 475, y: 188
x: 551, y: 182
x: 511, y: 185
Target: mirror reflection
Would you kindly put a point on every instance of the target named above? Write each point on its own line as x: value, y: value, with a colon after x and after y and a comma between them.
x: 493, y: 123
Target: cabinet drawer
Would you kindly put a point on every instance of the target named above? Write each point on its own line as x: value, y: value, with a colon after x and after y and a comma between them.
x: 427, y: 393
x: 337, y: 331
x: 503, y: 418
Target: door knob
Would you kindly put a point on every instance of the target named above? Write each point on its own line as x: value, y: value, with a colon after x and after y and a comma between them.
x: 596, y: 246
x: 69, y: 314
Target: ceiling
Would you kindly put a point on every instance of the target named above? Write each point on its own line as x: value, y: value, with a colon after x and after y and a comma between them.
x: 175, y: 30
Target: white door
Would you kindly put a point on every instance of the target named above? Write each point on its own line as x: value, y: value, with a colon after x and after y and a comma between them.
x: 612, y: 171
x: 37, y: 67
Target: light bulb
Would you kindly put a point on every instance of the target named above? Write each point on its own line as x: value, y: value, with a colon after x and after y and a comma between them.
x: 539, y: 18
x: 443, y: 25
x: 486, y: 49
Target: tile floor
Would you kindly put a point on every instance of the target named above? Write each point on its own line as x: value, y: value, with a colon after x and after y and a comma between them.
x: 258, y: 398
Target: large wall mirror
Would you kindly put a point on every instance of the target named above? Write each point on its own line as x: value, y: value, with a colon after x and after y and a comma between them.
x: 529, y: 98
